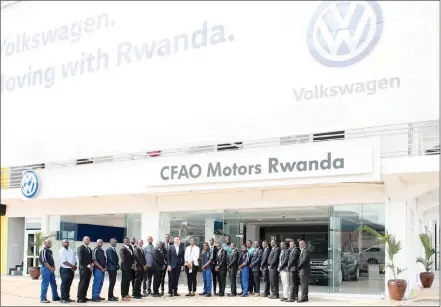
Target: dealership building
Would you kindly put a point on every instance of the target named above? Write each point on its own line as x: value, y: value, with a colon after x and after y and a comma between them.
x: 303, y: 121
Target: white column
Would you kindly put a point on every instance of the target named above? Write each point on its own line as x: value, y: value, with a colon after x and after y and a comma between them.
x: 155, y: 224
x: 399, y: 223
x: 209, y: 229
x: 45, y: 226
x: 253, y: 232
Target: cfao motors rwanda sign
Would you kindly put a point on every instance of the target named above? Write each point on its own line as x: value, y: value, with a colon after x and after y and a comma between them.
x: 355, y: 158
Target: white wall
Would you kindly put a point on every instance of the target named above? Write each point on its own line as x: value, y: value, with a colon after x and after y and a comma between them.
x: 187, y: 98
x: 15, y: 242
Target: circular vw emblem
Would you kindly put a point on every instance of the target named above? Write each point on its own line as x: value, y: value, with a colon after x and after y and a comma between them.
x: 342, y: 33
x: 30, y: 184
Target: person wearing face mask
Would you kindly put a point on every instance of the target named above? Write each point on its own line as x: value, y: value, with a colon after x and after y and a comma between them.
x: 85, y: 262
x: 304, y: 270
x: 112, y: 268
x: 127, y: 268
x: 159, y: 264
x: 191, y: 259
x: 68, y: 266
x: 99, y: 269
x: 47, y: 270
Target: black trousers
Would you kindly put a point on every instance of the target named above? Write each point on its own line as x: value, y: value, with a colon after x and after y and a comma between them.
x: 233, y: 276
x: 256, y: 279
x: 294, y: 285
x: 83, y: 285
x: 274, y: 282
x: 250, y: 282
x: 214, y: 278
x: 112, y: 282
x: 139, y: 277
x: 191, y: 278
x: 222, y: 278
x: 163, y: 273
x: 126, y: 278
x: 67, y: 276
x: 133, y: 282
x: 266, y: 281
x: 174, y: 280
x: 156, y: 280
x: 147, y: 281
x: 304, y: 286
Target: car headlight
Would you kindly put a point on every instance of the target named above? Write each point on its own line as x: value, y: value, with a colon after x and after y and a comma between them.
x: 327, y: 262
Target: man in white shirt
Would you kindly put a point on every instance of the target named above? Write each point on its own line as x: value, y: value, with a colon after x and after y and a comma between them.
x: 191, y: 258
x: 68, y: 266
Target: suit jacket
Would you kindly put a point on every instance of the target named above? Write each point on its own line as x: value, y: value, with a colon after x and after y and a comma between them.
x: 256, y: 261
x: 139, y: 258
x: 293, y: 261
x: 173, y: 259
x: 165, y: 249
x: 304, y: 263
x: 234, y: 259
x: 214, y: 253
x: 84, y: 255
x: 159, y: 257
x: 221, y: 260
x: 112, y: 259
x: 264, y: 260
x: 273, y: 258
x: 284, y: 260
x: 127, y: 259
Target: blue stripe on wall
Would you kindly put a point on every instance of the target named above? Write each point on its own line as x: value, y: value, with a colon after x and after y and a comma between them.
x: 95, y: 232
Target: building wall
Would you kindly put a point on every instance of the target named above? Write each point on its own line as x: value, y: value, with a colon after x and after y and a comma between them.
x: 3, y: 238
x: 214, y: 93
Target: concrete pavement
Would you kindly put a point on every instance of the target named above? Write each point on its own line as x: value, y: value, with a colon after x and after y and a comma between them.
x: 22, y: 291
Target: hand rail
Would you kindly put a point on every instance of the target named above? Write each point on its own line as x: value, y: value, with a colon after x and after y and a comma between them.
x: 413, y: 139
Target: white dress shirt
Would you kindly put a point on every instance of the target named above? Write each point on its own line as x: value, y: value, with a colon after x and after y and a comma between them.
x: 177, y: 249
x: 192, y: 254
x: 67, y: 255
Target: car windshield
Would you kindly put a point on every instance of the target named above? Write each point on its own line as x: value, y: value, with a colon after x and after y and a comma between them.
x: 318, y: 248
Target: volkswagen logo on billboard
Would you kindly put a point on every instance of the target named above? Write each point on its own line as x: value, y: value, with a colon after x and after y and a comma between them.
x: 30, y: 184
x: 342, y: 33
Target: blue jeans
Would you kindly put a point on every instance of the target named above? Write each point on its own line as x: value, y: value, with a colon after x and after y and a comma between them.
x: 98, y: 280
x: 244, y: 280
x: 206, y: 275
x: 48, y: 277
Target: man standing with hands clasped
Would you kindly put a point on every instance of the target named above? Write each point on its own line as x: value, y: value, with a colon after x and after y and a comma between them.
x: 112, y: 268
x: 47, y: 273
x: 140, y: 268
x: 99, y: 270
x: 85, y: 266
x: 221, y: 268
x: 68, y: 266
x: 273, y: 265
x: 283, y: 264
x: 293, y: 263
x: 304, y: 270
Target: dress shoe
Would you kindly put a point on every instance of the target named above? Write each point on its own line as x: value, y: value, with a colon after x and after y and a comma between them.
x: 221, y: 294
x: 156, y: 295
x: 113, y: 299
x: 188, y: 294
x: 101, y: 298
x: 290, y: 300
x: 232, y: 294
x: 70, y: 300
x: 82, y: 301
x: 64, y: 302
x: 302, y: 301
x: 176, y: 294
x: 44, y: 301
x: 126, y: 299
x: 202, y: 293
x: 283, y: 299
x: 207, y: 295
x: 57, y: 299
x: 170, y: 295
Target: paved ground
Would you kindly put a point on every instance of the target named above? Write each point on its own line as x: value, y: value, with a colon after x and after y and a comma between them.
x: 22, y: 291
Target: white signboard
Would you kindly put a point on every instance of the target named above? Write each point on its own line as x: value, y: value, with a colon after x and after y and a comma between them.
x: 324, y: 159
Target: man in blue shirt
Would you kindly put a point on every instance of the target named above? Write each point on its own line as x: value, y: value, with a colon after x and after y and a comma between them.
x: 47, y: 273
x: 207, y: 268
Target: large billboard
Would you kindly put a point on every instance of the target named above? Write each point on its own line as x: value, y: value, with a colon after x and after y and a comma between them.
x: 84, y: 79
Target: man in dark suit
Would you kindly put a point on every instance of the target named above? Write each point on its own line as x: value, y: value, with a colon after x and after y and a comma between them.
x: 213, y: 250
x: 165, y: 247
x: 221, y: 268
x: 232, y: 268
x: 159, y: 264
x: 264, y: 268
x: 112, y: 268
x: 175, y: 262
x: 304, y: 270
x: 283, y: 271
x: 84, y: 253
x: 293, y: 263
x: 273, y: 265
x: 255, y: 267
x: 140, y: 268
x: 127, y: 268
x: 132, y: 247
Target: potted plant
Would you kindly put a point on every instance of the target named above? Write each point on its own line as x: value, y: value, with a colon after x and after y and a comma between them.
x: 397, y: 287
x: 427, y: 276
x: 34, y: 271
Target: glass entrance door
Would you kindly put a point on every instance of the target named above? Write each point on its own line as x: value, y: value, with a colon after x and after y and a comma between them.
x: 335, y: 277
x: 31, y: 251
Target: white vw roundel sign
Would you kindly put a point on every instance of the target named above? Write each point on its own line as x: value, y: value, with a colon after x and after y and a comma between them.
x: 342, y: 33
x: 30, y: 184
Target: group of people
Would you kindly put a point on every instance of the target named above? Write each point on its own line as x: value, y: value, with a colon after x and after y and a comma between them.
x: 143, y: 265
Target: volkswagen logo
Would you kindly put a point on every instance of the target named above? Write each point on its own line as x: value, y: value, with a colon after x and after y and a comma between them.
x: 30, y: 184
x: 342, y: 33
